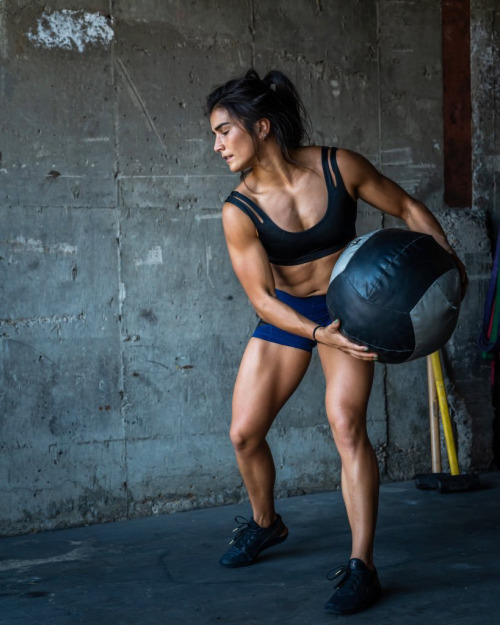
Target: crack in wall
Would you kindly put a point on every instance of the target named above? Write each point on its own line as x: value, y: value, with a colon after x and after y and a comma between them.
x: 3, y: 31
x: 387, y: 428
x: 379, y: 97
x: 252, y: 31
x: 121, y: 286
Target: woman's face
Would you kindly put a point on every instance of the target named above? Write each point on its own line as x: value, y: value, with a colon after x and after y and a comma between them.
x: 232, y: 141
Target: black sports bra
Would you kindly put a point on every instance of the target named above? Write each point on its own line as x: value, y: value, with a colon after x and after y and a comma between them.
x: 333, y: 232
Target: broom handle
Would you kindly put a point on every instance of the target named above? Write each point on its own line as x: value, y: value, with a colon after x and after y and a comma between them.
x: 445, y: 415
x: 434, y: 419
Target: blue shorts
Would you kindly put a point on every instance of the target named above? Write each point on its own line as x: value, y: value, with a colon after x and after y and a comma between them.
x: 313, y: 308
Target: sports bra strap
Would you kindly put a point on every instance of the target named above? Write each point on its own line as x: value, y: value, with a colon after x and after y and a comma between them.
x: 327, y: 171
x: 336, y: 180
x: 247, y: 205
x: 333, y: 162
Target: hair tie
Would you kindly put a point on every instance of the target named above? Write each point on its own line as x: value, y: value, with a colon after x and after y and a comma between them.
x: 272, y: 86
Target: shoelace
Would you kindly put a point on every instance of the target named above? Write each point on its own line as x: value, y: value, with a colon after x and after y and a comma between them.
x: 243, y: 527
x: 342, y: 570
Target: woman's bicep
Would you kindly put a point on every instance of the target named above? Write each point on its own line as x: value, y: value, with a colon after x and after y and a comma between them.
x: 387, y: 196
x: 248, y: 257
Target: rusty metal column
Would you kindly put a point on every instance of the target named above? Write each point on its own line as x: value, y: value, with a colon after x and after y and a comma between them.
x: 457, y: 103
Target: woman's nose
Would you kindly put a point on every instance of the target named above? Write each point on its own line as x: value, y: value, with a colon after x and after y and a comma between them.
x: 218, y: 145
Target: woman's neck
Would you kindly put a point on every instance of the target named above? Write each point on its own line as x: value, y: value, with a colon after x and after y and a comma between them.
x: 272, y: 170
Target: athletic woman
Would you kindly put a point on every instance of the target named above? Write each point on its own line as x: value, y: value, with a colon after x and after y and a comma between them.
x: 286, y: 224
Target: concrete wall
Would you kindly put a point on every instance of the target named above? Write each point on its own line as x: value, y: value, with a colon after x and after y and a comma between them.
x: 485, y: 64
x: 121, y: 321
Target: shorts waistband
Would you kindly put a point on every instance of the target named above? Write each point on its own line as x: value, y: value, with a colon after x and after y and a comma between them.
x: 287, y: 297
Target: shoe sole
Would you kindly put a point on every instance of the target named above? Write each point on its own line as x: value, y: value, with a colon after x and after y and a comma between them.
x: 361, y: 608
x: 272, y: 543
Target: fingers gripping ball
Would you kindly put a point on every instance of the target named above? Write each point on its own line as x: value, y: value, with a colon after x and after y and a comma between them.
x: 397, y: 292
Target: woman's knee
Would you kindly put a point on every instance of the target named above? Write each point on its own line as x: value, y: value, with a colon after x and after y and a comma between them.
x: 348, y: 429
x: 244, y: 440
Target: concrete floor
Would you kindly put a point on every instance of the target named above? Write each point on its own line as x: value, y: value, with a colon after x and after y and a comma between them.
x: 438, y: 558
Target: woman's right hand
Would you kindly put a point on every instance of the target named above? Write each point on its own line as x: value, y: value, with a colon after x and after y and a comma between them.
x: 331, y: 336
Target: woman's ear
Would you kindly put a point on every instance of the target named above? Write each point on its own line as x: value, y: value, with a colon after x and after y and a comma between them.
x: 263, y: 128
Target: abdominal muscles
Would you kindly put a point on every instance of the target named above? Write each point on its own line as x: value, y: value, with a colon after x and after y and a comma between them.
x: 307, y: 279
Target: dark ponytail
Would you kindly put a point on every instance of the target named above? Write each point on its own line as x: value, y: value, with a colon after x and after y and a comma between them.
x: 275, y: 98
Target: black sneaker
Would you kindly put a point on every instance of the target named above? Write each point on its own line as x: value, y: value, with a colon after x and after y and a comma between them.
x: 356, y: 590
x: 251, y: 539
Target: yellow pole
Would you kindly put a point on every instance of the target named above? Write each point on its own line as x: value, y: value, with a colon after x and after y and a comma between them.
x: 434, y: 419
x: 445, y: 415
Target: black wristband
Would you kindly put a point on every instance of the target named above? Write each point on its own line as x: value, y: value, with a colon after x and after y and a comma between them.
x: 314, y: 334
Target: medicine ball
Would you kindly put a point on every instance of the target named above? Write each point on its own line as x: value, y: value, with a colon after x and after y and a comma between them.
x: 397, y: 292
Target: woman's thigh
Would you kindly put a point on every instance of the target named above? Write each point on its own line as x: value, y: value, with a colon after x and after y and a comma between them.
x: 268, y: 375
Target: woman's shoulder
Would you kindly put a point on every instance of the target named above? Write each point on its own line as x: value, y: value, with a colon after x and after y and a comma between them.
x: 352, y: 161
x: 309, y: 155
